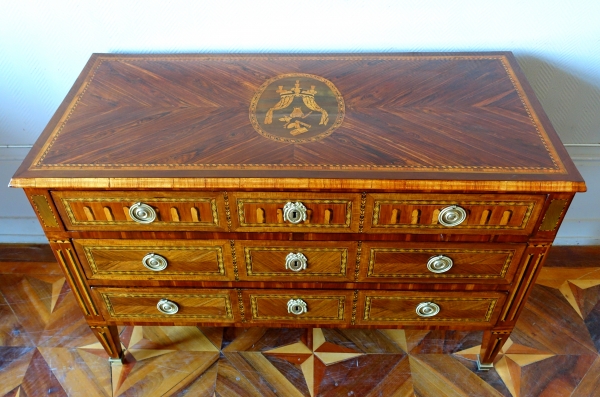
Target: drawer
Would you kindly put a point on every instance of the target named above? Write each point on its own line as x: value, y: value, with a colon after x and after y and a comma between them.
x: 295, y: 212
x: 436, y: 308
x: 297, y: 260
x: 177, y: 304
x: 202, y: 211
x: 435, y: 213
x: 439, y: 262
x: 156, y: 259
x: 297, y: 306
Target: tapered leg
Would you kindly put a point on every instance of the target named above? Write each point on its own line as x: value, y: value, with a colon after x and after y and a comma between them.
x: 309, y: 338
x: 108, y: 335
x: 490, y: 346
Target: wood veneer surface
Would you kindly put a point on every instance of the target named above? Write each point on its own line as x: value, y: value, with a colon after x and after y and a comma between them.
x: 467, y: 116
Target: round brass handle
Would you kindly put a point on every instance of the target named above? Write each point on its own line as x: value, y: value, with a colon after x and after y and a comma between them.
x: 142, y: 213
x: 154, y: 262
x: 296, y: 306
x: 167, y: 307
x: 439, y: 264
x: 427, y: 309
x: 294, y: 212
x: 295, y: 262
x: 452, y: 216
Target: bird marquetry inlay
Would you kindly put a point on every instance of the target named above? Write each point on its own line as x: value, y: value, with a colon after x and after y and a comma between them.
x: 297, y: 108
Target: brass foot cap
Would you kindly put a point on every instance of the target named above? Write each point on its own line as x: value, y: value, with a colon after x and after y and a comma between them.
x: 483, y: 367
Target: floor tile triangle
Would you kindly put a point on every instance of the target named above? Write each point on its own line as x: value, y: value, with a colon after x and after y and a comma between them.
x: 526, y: 359
x: 332, y: 358
x: 298, y: 347
x: 39, y: 378
x: 398, y: 336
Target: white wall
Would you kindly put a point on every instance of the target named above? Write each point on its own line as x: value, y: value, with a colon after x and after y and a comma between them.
x: 45, y: 44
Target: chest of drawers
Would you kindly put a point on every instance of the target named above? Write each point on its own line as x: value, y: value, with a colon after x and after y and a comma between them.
x: 394, y: 191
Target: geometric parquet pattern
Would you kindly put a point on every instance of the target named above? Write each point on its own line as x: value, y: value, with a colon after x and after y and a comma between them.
x: 46, y: 349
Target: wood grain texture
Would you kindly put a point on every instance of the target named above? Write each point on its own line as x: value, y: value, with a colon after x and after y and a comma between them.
x: 217, y: 169
x: 398, y: 121
x: 185, y: 259
x: 389, y: 261
x: 552, y: 350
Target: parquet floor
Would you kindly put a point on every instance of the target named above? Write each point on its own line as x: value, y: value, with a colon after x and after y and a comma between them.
x: 46, y: 348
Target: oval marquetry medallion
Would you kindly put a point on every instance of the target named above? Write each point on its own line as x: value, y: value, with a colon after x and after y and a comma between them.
x: 296, y: 108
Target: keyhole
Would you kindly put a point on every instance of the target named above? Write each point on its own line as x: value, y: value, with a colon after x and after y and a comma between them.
x: 294, y: 215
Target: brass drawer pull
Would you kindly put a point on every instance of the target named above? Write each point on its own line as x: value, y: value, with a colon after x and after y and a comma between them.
x: 142, y: 213
x: 296, y: 306
x: 167, y: 307
x: 294, y: 212
x: 154, y: 262
x: 452, y: 216
x: 439, y: 264
x: 295, y: 262
x: 427, y: 309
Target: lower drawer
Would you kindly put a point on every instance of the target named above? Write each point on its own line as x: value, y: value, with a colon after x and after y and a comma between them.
x: 430, y: 308
x: 297, y: 307
x: 167, y: 304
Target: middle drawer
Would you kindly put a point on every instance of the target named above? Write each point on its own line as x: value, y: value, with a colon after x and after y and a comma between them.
x: 111, y: 259
x: 296, y: 260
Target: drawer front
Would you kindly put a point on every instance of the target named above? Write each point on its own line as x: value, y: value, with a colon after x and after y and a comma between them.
x: 203, y: 211
x: 435, y: 262
x: 156, y: 259
x: 273, y: 306
x: 192, y: 305
x: 297, y: 261
x: 422, y: 213
x: 455, y: 308
x: 297, y: 212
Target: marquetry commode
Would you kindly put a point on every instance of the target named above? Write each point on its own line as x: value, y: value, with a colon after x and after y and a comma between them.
x: 395, y: 191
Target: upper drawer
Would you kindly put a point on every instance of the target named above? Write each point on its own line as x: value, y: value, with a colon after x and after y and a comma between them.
x: 276, y: 212
x: 141, y: 210
x: 452, y: 213
x: 156, y: 259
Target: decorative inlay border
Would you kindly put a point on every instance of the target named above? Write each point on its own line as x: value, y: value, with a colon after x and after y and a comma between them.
x: 553, y: 214
x: 487, y: 316
x: 358, y: 258
x: 68, y: 200
x: 89, y: 254
x: 340, y: 313
x: 42, y: 207
x: 377, y: 209
x: 227, y: 210
x: 226, y: 303
x: 234, y: 260
x: 437, y: 251
x: 242, y: 216
x: 341, y: 273
x: 38, y: 162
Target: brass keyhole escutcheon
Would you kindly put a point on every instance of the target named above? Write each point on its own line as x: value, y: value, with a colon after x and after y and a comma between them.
x: 295, y: 262
x: 297, y: 306
x: 294, y: 212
